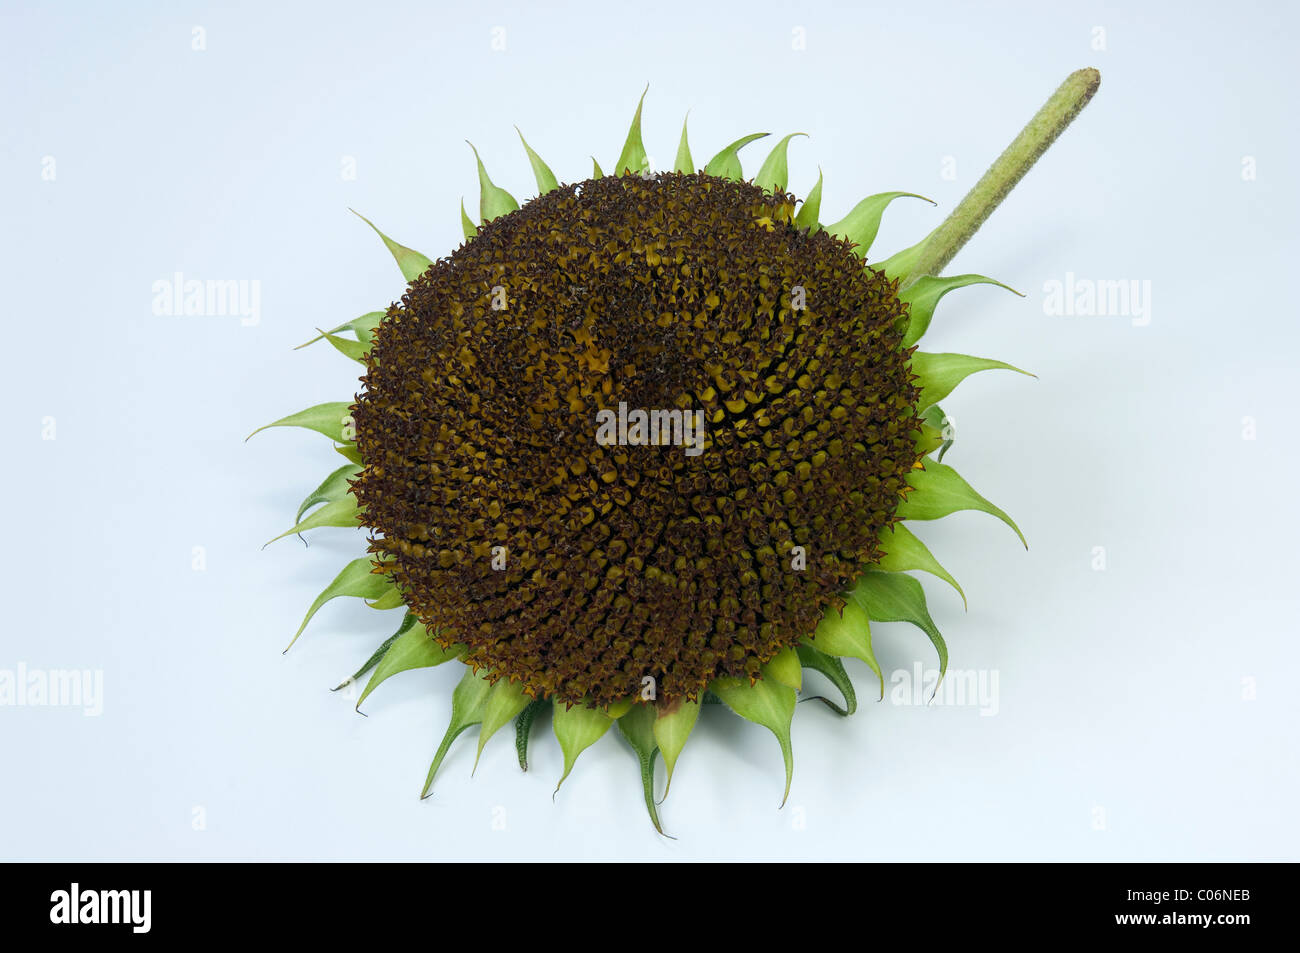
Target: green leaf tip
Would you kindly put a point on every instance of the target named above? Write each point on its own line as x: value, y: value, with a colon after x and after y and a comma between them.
x: 774, y: 172
x: 332, y: 419
x: 333, y: 487
x: 671, y: 729
x: 363, y: 327
x: 637, y: 728
x: 939, y: 374
x: 356, y: 350
x: 343, y: 513
x: 350, y: 453
x: 924, y: 294
x: 939, y: 490
x: 467, y: 226
x: 833, y: 669
x: 467, y: 706
x: 904, y: 552
x: 493, y: 201
x: 931, y: 437
x: 407, y: 621
x: 897, y: 597
x: 767, y: 703
x: 863, y: 222
x: 577, y: 728
x: 414, y: 648
x: 392, y: 599
x: 506, y: 701
x: 683, y: 162
x: 411, y: 262
x: 358, y: 578
x: 524, y: 727
x: 726, y: 164
x: 901, y: 264
x: 541, y: 171
x: 937, y: 432
x: 846, y: 632
x: 633, y: 157
x: 784, y: 667
x: 811, y: 208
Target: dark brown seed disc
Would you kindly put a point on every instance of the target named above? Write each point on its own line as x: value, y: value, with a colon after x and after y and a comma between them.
x: 580, y: 568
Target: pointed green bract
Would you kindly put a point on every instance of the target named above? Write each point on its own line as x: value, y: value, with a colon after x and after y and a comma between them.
x: 363, y: 327
x: 806, y: 217
x: 349, y: 452
x: 861, y: 225
x: 936, y: 432
x: 905, y: 553
x: 407, y: 621
x: 595, y: 169
x: 633, y: 158
x: 924, y: 294
x: 357, y: 578
x: 901, y: 264
x: 637, y: 726
x: 684, y: 162
x: 775, y: 171
x: 577, y: 728
x: 671, y: 729
x: 541, y: 171
x: 391, y: 599
x: 342, y: 513
x: 493, y: 201
x: 410, y: 261
x: 506, y: 701
x: 524, y: 727
x: 833, y: 669
x: 467, y: 704
x: 785, y: 668
x: 333, y: 487
x: 356, y: 350
x: 847, y: 633
x: 896, y: 597
x: 329, y: 419
x: 939, y: 490
x: 467, y: 226
x: 414, y: 648
x: 938, y: 374
x: 767, y: 703
x: 726, y: 164
x: 928, y: 439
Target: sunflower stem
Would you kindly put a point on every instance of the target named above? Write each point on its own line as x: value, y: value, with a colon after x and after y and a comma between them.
x: 1008, y: 169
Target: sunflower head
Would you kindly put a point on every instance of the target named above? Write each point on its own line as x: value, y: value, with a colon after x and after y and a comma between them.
x: 653, y: 441
x: 687, y: 305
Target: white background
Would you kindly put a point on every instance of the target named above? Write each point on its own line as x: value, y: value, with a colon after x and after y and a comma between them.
x: 1145, y: 711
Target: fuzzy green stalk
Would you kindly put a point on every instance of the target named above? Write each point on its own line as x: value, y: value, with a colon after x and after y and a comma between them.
x: 1009, y: 168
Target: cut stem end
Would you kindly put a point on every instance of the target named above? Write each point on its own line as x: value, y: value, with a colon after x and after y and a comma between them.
x: 1007, y: 170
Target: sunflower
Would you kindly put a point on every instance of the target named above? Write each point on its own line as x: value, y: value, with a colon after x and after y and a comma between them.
x: 651, y: 441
